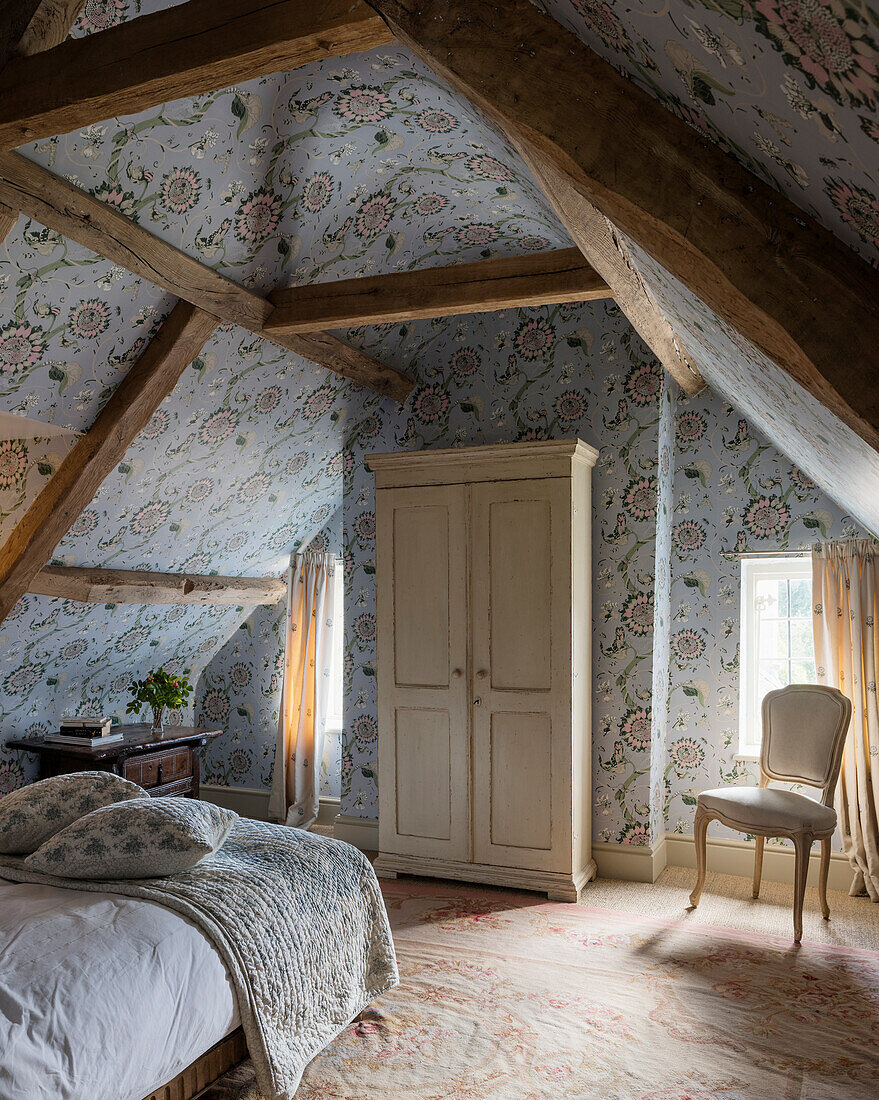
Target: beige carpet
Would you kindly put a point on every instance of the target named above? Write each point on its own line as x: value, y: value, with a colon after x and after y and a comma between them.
x: 727, y: 902
x: 505, y: 996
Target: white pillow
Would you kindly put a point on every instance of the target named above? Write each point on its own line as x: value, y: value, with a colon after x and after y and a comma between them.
x: 30, y: 815
x: 143, y: 838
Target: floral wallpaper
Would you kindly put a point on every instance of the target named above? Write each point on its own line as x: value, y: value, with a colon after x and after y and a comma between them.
x: 368, y: 164
x: 790, y: 88
x: 837, y: 459
x: 733, y: 492
x: 237, y: 467
x: 243, y: 683
x: 527, y: 374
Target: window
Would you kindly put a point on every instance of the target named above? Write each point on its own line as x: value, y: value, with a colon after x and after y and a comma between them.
x: 776, y: 644
x: 333, y: 723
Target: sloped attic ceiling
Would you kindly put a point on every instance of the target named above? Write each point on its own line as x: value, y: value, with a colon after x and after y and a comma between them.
x: 791, y: 91
x: 609, y: 173
x: 355, y: 165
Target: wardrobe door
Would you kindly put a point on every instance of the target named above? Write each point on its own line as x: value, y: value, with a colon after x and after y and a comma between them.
x: 521, y: 687
x: 424, y: 735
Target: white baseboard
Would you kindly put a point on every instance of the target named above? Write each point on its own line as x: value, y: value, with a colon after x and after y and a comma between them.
x: 253, y: 802
x: 736, y: 857
x: 360, y: 832
x: 630, y: 862
x: 623, y: 861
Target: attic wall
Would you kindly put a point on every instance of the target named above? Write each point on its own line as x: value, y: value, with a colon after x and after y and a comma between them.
x: 724, y: 471
x: 563, y: 372
x: 238, y: 466
x: 241, y: 689
x: 789, y: 90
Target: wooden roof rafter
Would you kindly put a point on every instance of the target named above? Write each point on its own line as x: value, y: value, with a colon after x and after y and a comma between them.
x: 103, y: 585
x: 502, y: 282
x: 764, y: 266
x: 187, y: 50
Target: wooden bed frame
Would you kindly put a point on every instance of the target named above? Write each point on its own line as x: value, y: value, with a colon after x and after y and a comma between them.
x: 204, y: 1070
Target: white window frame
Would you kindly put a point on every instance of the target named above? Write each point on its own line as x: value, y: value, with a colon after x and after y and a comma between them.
x: 791, y: 567
x: 336, y: 701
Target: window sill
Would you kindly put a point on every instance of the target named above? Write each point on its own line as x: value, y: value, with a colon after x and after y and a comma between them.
x: 748, y: 757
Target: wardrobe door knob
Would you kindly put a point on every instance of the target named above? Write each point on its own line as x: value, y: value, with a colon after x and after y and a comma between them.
x: 481, y: 674
x: 457, y: 673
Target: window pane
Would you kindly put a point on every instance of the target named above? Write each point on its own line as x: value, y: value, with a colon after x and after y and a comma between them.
x: 801, y: 639
x: 800, y: 597
x: 771, y: 675
x: 770, y: 597
x: 772, y: 638
x: 802, y: 672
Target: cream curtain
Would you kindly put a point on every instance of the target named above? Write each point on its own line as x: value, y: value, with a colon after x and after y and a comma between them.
x: 844, y: 602
x: 307, y: 650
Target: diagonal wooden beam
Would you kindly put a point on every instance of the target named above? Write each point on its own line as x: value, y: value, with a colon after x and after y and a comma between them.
x: 99, y: 585
x: 766, y: 268
x: 74, y: 213
x: 182, y: 51
x: 32, y: 541
x: 500, y: 283
x: 601, y: 245
x: 15, y: 15
x: 49, y: 26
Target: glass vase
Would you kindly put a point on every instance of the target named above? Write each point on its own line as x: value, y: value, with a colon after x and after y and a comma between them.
x: 158, y: 724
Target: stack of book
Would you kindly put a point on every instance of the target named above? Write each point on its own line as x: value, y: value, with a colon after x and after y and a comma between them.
x: 86, y: 731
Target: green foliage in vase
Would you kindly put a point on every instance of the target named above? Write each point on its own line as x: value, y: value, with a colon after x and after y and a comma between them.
x: 159, y: 690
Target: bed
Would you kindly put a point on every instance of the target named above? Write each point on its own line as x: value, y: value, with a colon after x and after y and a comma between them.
x: 113, y: 990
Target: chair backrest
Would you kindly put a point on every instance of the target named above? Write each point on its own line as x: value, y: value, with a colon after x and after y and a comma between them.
x: 804, y: 728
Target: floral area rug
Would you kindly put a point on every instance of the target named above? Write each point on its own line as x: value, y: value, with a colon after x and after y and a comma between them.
x: 505, y: 996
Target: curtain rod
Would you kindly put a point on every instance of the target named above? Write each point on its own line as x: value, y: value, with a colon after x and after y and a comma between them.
x: 739, y: 554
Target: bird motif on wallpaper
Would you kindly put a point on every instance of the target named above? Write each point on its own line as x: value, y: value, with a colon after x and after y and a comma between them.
x: 741, y: 440
x: 621, y: 420
x: 619, y: 533
x: 617, y: 646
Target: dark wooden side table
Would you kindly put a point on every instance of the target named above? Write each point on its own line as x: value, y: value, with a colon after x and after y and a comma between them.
x: 162, y: 763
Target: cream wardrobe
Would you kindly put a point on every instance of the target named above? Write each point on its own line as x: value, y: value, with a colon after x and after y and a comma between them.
x: 484, y: 667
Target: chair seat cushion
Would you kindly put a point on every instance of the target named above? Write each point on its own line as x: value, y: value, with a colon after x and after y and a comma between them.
x: 764, y: 808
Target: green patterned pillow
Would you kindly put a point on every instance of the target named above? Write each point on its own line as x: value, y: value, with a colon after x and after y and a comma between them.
x: 30, y: 815
x: 143, y: 838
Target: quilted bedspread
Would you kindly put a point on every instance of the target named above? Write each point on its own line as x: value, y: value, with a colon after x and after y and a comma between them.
x: 300, y: 924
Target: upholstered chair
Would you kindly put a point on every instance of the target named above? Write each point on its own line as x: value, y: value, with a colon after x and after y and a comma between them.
x: 804, y: 728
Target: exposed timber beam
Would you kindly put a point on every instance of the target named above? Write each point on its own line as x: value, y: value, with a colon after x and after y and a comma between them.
x: 766, y: 268
x: 499, y: 283
x: 74, y: 213
x: 33, y: 540
x: 90, y: 585
x: 8, y: 218
x: 49, y: 26
x: 601, y: 245
x: 182, y: 51
x: 15, y: 15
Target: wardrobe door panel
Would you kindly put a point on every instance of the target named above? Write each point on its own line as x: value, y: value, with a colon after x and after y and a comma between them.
x: 521, y: 628
x: 424, y: 735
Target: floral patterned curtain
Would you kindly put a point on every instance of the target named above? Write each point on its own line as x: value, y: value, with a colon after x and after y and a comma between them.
x: 305, y: 693
x: 844, y: 599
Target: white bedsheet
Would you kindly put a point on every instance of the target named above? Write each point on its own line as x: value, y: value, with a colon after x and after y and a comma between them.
x: 102, y: 997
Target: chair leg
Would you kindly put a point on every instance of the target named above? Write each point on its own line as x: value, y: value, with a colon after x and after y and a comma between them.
x: 822, y: 880
x: 802, y: 847
x: 700, y: 829
x: 758, y: 867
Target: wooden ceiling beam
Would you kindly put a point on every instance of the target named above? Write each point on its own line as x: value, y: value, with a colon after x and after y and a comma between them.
x: 182, y: 51
x: 72, y: 212
x: 49, y: 26
x: 96, y: 454
x: 503, y: 282
x: 767, y: 269
x: 15, y: 16
x: 601, y: 245
x: 99, y: 585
